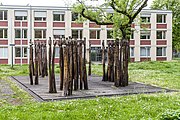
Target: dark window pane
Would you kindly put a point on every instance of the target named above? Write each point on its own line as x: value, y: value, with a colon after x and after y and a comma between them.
x: 92, y: 34
x: 98, y: 34
x: 1, y: 15
x: 38, y: 34
x: 109, y: 34
x: 18, y: 17
x: 17, y: 33
x: 25, y: 52
x: 74, y: 33
x: 56, y: 17
x: 1, y: 33
x: 5, y: 33
x: 17, y: 52
x: 74, y: 16
x: 25, y: 33
x: 159, y: 52
x: 5, y: 15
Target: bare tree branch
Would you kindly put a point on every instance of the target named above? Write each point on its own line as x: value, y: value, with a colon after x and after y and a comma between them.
x: 139, y: 10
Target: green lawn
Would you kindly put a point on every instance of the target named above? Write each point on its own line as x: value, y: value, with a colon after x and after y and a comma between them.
x: 134, y: 107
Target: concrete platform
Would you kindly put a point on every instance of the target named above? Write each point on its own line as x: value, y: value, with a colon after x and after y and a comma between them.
x: 96, y: 88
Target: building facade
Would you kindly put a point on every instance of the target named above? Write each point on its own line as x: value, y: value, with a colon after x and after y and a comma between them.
x: 151, y: 37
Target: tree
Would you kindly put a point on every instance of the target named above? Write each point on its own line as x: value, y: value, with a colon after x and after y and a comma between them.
x: 173, y: 5
x: 120, y: 14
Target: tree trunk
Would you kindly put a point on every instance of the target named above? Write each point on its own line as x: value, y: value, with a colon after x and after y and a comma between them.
x: 36, y: 65
x: 89, y: 71
x: 84, y: 67
x: 103, y: 62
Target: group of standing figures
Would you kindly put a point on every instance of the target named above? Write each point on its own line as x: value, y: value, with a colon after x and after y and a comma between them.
x: 72, y: 62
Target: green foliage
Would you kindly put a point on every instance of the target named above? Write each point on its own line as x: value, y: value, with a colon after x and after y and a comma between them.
x: 121, y: 15
x: 171, y: 115
x: 173, y: 5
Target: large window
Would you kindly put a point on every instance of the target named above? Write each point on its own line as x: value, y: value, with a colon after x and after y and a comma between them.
x: 77, y: 34
x: 20, y: 33
x: 161, y: 51
x: 3, y: 52
x: 18, y: 51
x: 3, y: 33
x: 161, y: 35
x: 145, y: 19
x: 75, y: 16
x: 131, y: 51
x: 145, y: 51
x: 145, y: 34
x: 58, y: 33
x: 161, y: 18
x: 109, y: 34
x: 40, y: 16
x: 96, y: 54
x: 58, y: 16
x: 20, y: 15
x: 94, y: 34
x: 3, y: 14
x: 40, y: 33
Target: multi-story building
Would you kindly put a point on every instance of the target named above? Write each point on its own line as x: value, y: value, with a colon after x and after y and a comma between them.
x: 151, y: 37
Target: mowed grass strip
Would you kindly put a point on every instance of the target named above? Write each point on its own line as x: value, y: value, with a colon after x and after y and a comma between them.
x: 134, y: 107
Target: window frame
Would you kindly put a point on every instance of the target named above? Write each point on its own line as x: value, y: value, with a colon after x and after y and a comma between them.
x: 59, y: 36
x: 146, y: 33
x: 132, y: 52
x: 4, y: 33
x: 23, y: 52
x: 60, y: 15
x: 97, y: 36
x: 147, y: 54
x: 4, y: 18
x: 163, y: 18
x: 40, y: 18
x: 111, y: 32
x: 163, y: 52
x: 163, y: 34
x: 80, y: 33
x: 42, y: 33
x: 23, y: 18
x: 24, y: 31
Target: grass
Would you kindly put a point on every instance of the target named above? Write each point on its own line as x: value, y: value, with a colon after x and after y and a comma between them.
x: 133, y: 107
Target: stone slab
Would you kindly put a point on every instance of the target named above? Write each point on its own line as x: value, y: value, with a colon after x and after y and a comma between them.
x: 96, y: 88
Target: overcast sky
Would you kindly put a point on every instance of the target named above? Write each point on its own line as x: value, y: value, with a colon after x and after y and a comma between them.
x: 42, y: 2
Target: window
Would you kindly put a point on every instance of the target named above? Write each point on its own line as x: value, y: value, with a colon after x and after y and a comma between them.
x: 18, y: 33
x: 96, y: 54
x: 40, y: 16
x: 4, y: 52
x: 132, y: 34
x: 77, y: 34
x: 161, y: 18
x: 132, y: 51
x: 161, y: 35
x: 3, y: 33
x: 94, y: 34
x: 109, y: 34
x: 40, y: 33
x: 145, y: 19
x: 20, y: 15
x: 18, y: 51
x: 161, y: 51
x: 75, y: 16
x: 57, y: 52
x: 145, y: 51
x: 3, y: 15
x: 58, y: 33
x: 145, y: 34
x: 58, y: 16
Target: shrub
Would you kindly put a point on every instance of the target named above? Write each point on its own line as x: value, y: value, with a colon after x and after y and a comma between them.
x: 171, y: 115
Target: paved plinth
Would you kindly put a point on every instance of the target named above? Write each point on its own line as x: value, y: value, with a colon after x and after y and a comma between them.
x: 96, y: 88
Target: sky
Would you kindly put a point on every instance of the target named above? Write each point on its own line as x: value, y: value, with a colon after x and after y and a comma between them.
x: 42, y: 2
